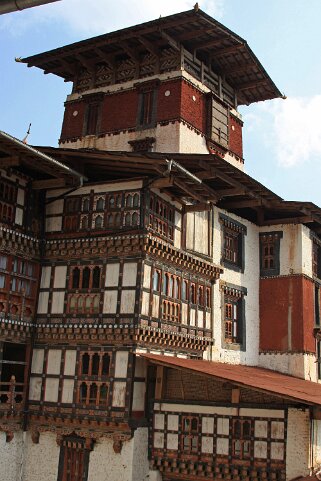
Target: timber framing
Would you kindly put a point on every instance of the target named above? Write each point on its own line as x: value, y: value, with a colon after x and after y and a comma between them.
x: 221, y: 184
x: 215, y: 51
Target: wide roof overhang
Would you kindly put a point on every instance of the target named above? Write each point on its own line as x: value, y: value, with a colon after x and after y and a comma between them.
x: 216, y: 182
x: 45, y: 170
x: 208, y: 40
x: 259, y: 379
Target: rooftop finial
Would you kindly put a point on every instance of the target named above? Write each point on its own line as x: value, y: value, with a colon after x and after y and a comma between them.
x: 196, y: 7
x: 24, y: 140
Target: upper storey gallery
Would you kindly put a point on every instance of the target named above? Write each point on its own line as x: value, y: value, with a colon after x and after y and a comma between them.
x: 169, y: 85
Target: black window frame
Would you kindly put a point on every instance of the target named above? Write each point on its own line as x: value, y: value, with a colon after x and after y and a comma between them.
x: 147, y: 97
x: 236, y: 295
x: 275, y: 239
x: 231, y: 225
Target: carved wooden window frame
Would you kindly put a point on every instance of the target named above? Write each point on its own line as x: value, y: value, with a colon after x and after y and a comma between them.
x: 190, y: 438
x: 270, y: 253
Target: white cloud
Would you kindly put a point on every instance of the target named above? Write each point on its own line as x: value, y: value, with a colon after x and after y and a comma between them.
x: 296, y: 134
x: 100, y: 16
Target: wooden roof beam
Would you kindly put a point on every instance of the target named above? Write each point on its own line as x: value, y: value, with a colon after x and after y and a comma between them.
x: 288, y: 220
x: 149, y: 46
x: 242, y: 67
x: 198, y: 207
x: 228, y: 50
x: 252, y: 85
x: 230, y: 192
x: 241, y: 204
x: 88, y: 64
x: 192, y: 34
x: 48, y: 184
x: 6, y: 162
x: 208, y: 43
x: 130, y: 52
x: 173, y: 43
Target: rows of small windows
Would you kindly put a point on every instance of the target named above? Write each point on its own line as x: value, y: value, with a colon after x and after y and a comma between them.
x: 101, y: 221
x: 103, y: 211
x: 102, y: 202
x: 172, y: 285
x: 236, y: 438
x: 241, y: 437
x: 7, y: 191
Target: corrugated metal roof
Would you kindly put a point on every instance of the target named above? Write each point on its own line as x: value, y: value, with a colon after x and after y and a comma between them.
x: 247, y: 376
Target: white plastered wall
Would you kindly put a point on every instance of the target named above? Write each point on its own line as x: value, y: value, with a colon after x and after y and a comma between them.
x: 298, y: 444
x: 11, y: 457
x: 129, y: 465
x: 295, y: 248
x: 295, y: 258
x: 299, y: 365
x: 250, y: 280
x: 40, y: 461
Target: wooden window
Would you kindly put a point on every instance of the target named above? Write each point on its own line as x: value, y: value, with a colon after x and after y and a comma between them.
x: 319, y: 359
x: 190, y: 438
x: 73, y: 461
x: 98, y: 222
x: 241, y: 446
x: 147, y: 108
x: 233, y: 243
x: 316, y: 258
x: 94, y: 389
x: 208, y: 297
x: 75, y: 278
x: 100, y: 204
x: 233, y: 313
x: 161, y: 215
x: 192, y: 293
x: 231, y: 246
x: 156, y: 280
x: 218, y: 120
x: 85, y: 205
x: 270, y: 253
x: 185, y: 290
x: 92, y: 115
x: 83, y: 304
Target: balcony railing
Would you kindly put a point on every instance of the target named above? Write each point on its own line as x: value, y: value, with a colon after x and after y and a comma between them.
x: 12, y: 395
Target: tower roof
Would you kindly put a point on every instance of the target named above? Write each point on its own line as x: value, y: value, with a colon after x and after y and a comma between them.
x: 205, y: 38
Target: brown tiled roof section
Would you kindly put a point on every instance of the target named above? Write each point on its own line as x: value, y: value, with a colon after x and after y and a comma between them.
x: 252, y: 377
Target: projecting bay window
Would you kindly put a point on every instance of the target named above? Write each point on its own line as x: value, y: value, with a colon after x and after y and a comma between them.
x: 233, y: 248
x: 233, y: 317
x: 270, y: 253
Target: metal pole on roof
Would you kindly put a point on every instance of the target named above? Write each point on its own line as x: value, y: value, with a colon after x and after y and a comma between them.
x: 7, y: 6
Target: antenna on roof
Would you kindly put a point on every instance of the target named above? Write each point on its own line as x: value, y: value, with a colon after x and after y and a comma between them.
x: 196, y: 7
x: 24, y: 140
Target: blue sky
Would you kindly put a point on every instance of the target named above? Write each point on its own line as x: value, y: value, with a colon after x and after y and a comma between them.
x: 282, y: 138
